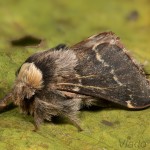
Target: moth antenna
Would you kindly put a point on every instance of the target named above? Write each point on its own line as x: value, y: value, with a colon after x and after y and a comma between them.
x: 5, y: 101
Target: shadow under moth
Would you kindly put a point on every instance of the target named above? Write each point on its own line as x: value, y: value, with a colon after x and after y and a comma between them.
x: 60, y: 81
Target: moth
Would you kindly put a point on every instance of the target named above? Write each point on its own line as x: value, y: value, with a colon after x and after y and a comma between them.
x: 60, y: 81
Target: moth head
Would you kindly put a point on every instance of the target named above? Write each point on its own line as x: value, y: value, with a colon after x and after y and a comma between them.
x: 29, y: 80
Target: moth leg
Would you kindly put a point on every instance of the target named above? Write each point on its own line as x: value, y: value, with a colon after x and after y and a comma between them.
x: 44, y: 111
x: 70, y: 111
x: 74, y: 120
x: 38, y: 115
x: 37, y: 121
x: 5, y: 101
x: 89, y: 101
x: 67, y: 108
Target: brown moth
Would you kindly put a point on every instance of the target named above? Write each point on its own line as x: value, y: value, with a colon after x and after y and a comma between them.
x: 96, y: 71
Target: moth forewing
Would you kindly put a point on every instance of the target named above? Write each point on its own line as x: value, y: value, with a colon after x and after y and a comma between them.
x: 107, y: 71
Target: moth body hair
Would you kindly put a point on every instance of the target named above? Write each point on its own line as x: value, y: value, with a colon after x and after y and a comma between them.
x: 30, y: 75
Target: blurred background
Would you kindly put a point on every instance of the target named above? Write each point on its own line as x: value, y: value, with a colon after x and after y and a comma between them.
x: 71, y: 21
x: 27, y: 26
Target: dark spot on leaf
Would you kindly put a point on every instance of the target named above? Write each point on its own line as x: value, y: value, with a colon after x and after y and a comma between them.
x: 44, y: 146
x: 133, y: 15
x: 116, y: 122
x: 108, y: 123
x: 27, y: 40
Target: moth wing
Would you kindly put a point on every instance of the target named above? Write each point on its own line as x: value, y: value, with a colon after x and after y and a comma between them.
x: 105, y: 70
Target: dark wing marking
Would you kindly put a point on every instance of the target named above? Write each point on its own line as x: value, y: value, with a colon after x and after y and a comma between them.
x: 105, y: 70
